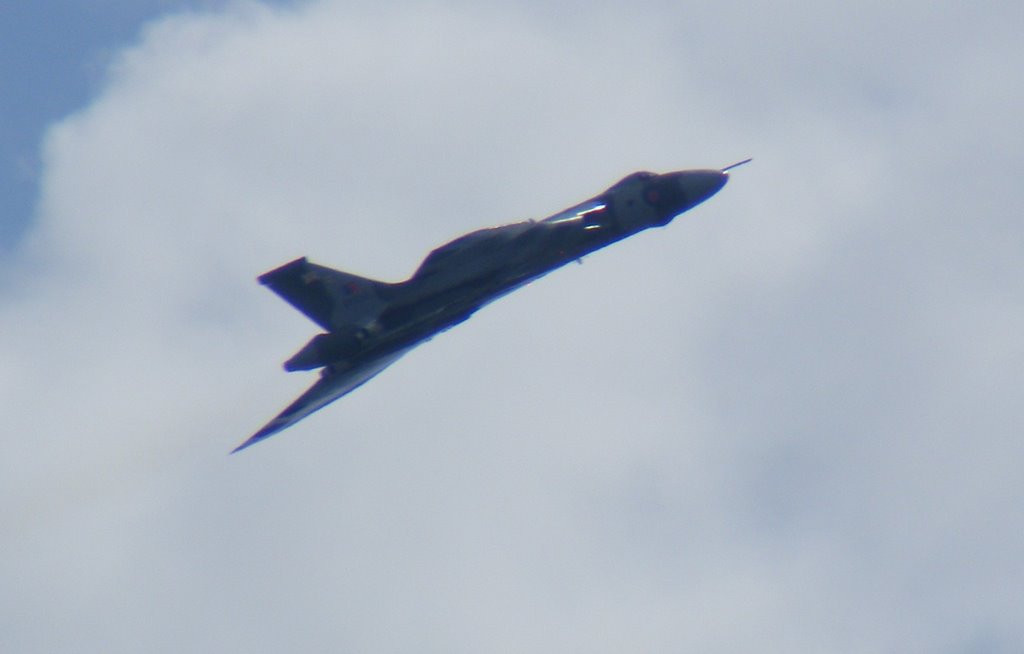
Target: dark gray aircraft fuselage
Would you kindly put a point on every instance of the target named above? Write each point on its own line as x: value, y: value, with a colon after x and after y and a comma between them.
x: 370, y: 324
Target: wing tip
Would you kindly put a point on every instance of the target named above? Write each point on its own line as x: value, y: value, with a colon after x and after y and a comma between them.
x: 262, y: 434
x: 242, y: 446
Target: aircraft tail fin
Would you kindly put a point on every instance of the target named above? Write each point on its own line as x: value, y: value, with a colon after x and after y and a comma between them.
x: 330, y: 298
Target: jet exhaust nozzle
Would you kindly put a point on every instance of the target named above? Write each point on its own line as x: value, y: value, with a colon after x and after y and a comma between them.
x: 311, y: 356
x: 325, y: 349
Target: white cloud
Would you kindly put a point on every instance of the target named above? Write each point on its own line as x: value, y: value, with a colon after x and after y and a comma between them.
x: 786, y: 422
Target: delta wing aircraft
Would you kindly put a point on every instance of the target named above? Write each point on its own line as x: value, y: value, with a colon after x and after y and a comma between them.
x: 368, y: 325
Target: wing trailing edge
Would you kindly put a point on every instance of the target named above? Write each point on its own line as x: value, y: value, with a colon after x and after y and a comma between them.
x: 330, y: 387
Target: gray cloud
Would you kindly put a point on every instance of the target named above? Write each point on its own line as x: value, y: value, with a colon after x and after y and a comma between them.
x: 789, y: 421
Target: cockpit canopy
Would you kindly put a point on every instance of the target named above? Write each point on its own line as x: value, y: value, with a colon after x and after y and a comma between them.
x: 643, y: 175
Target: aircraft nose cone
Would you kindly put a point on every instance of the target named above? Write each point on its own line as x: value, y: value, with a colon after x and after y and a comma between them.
x: 674, y: 193
x: 699, y: 185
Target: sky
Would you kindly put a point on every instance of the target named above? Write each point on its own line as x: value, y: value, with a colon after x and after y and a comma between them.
x: 790, y: 421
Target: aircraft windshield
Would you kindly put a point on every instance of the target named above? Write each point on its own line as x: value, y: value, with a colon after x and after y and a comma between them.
x: 634, y: 177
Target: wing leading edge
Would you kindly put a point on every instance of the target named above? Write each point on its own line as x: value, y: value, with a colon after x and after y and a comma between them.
x: 330, y: 387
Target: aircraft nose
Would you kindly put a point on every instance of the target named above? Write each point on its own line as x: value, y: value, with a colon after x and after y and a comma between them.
x: 673, y: 193
x: 699, y: 185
